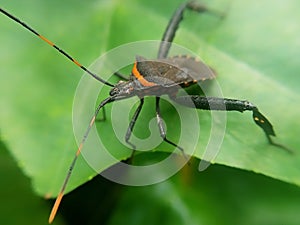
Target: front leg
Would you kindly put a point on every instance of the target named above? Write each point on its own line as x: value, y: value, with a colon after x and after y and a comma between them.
x: 225, y: 104
x: 121, y: 76
x: 132, y: 123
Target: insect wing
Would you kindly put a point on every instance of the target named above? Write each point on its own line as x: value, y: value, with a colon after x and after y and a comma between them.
x: 172, y: 71
x: 195, y: 69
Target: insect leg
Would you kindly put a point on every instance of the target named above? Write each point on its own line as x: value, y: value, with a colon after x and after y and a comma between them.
x: 173, y: 25
x: 121, y: 76
x: 162, y: 130
x: 225, y: 104
x: 103, y: 116
x: 132, y: 123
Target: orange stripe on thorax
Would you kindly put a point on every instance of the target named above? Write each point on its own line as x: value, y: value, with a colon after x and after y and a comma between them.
x: 140, y: 77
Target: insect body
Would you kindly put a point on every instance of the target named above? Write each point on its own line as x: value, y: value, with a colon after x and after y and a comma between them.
x: 162, y: 76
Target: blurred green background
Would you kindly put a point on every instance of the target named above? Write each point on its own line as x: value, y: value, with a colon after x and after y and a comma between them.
x: 37, y: 87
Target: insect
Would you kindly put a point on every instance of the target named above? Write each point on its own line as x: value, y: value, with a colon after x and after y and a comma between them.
x: 155, y: 77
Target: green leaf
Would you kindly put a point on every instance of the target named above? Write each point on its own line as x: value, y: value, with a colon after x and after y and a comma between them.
x: 19, y: 204
x: 253, y: 50
x: 191, y: 197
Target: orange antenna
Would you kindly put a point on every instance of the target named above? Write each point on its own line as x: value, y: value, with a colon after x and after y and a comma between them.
x: 62, y: 190
x: 56, y: 47
x: 109, y: 99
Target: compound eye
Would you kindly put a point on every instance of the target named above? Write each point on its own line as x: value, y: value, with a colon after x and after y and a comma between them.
x: 114, y: 91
